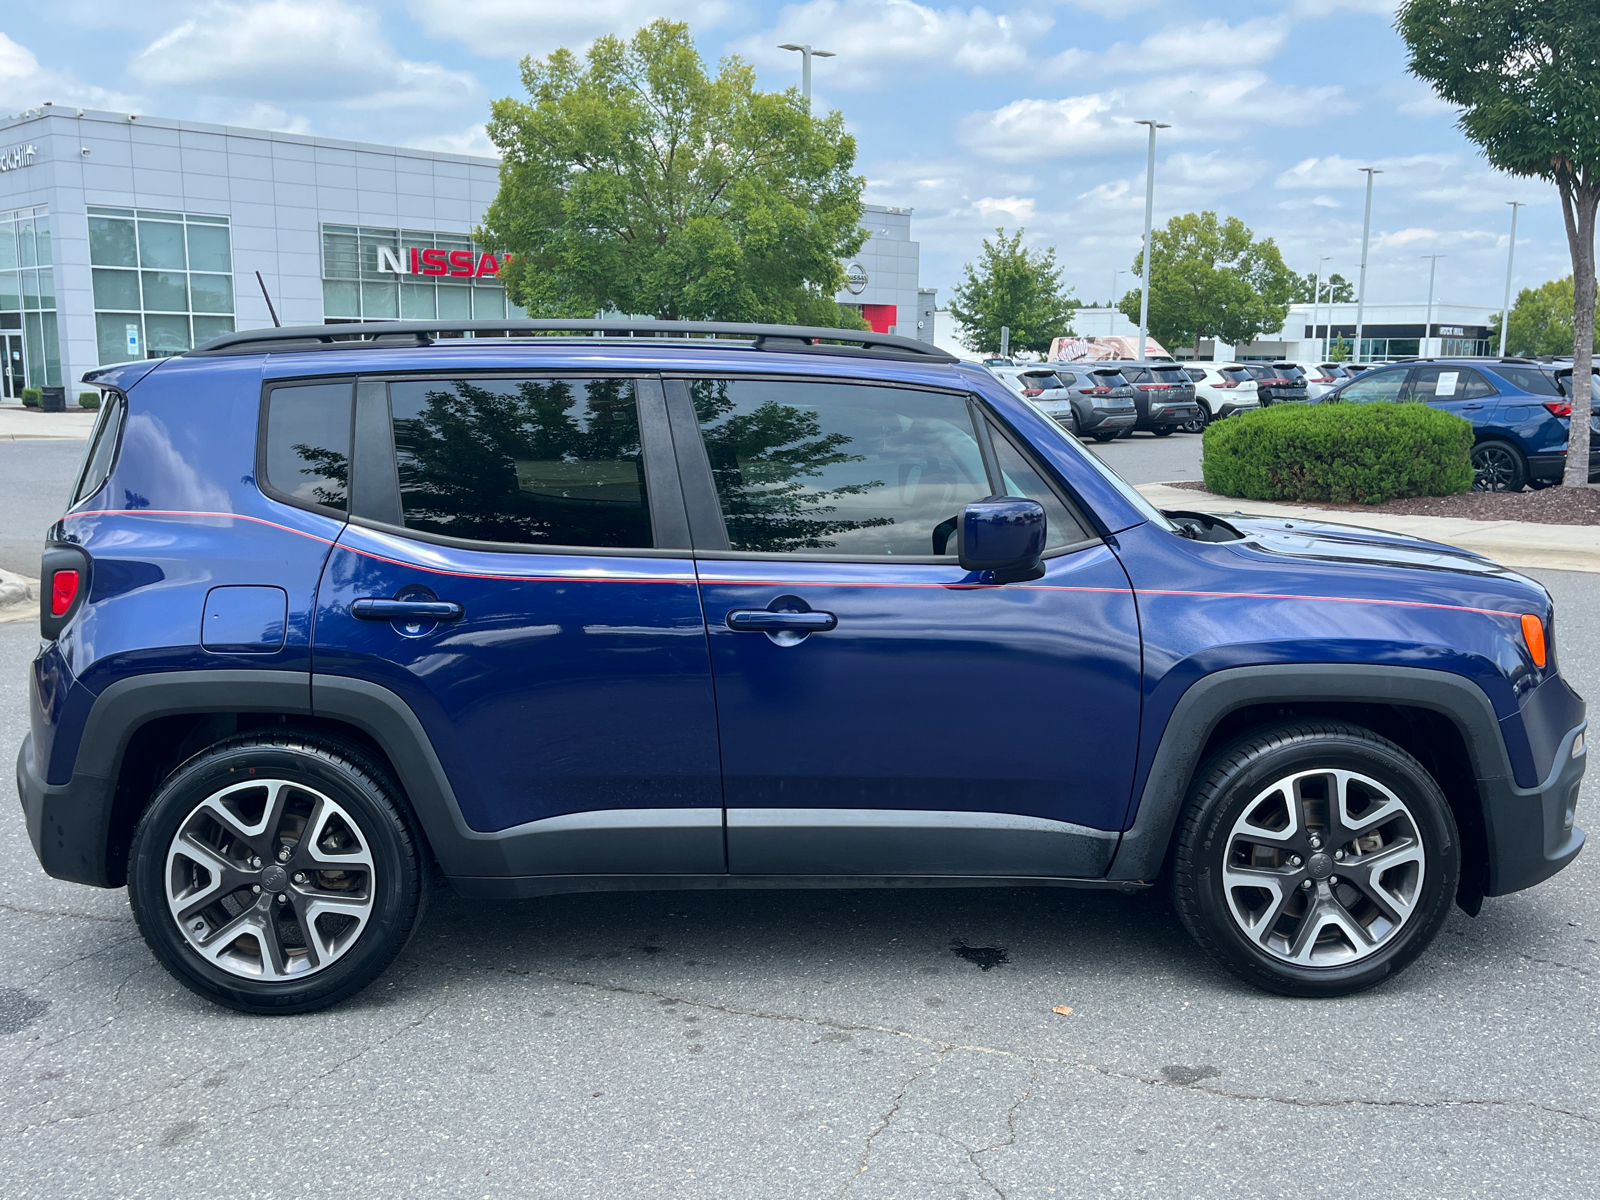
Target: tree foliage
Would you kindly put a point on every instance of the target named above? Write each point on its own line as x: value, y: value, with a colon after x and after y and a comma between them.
x: 1210, y: 278
x: 634, y: 180
x: 1542, y: 321
x: 1014, y: 287
x: 1334, y: 287
x: 1526, y: 74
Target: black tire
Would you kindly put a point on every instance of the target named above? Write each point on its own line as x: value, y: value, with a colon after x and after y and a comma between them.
x: 1233, y: 783
x: 1072, y: 424
x: 1127, y: 433
x: 337, y: 780
x: 1164, y: 430
x: 1202, y: 419
x: 1498, y: 466
x: 1106, y: 437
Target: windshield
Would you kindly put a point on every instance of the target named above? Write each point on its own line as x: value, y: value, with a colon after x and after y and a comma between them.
x: 1260, y: 373
x: 1289, y: 371
x: 1172, y: 375
x: 1136, y: 374
x: 1235, y: 374
x: 1041, y: 379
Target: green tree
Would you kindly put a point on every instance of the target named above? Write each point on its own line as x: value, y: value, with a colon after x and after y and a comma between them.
x: 1335, y: 287
x: 634, y: 180
x: 1527, y: 78
x: 1210, y: 278
x: 1016, y: 288
x: 1541, y: 321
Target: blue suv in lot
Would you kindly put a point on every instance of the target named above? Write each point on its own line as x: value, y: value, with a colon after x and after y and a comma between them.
x: 1518, y: 407
x: 338, y: 611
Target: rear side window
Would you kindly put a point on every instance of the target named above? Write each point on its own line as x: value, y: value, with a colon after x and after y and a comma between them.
x: 1527, y: 379
x: 537, y: 461
x: 102, y: 448
x: 308, y: 443
x: 836, y: 468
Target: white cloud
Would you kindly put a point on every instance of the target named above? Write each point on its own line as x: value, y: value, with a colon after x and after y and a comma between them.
x: 473, y: 140
x: 1207, y: 44
x: 1335, y: 171
x: 1017, y: 208
x: 513, y: 28
x: 311, y: 49
x: 872, y: 35
x: 1212, y: 105
x: 1325, y: 8
x: 25, y: 84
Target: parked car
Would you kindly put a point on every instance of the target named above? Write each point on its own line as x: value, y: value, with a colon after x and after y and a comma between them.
x: 1221, y: 390
x: 1518, y: 408
x: 1319, y: 379
x: 1163, y: 395
x: 339, y: 610
x: 1088, y: 401
x: 1278, y: 383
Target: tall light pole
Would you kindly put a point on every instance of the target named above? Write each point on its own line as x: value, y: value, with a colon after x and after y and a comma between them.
x: 1115, y: 275
x: 1361, y: 290
x: 1511, y: 257
x: 806, y: 55
x: 1427, y: 328
x: 1316, y: 304
x: 1149, y: 212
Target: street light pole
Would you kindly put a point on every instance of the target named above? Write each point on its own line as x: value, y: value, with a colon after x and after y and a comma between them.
x: 1115, y: 275
x: 1366, y: 231
x: 1427, y: 328
x: 1149, y: 212
x: 1316, y: 304
x: 806, y: 55
x: 1511, y: 257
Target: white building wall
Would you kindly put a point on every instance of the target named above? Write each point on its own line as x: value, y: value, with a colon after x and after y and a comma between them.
x: 892, y: 262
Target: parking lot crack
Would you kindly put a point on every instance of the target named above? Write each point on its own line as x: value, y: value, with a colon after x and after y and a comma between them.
x: 60, y: 914
x: 888, y: 1119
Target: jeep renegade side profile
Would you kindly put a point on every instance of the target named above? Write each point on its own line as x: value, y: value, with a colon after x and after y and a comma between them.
x: 336, y: 609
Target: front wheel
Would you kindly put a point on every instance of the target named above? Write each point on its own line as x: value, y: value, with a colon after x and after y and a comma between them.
x: 276, y: 873
x: 1315, y: 859
x: 1498, y: 466
x: 1201, y: 420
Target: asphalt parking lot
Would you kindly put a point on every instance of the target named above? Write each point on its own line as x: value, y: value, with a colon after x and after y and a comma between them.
x: 796, y: 1044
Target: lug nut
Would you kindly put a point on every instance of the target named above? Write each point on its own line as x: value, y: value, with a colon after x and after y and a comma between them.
x: 282, y: 899
x: 1305, y: 883
x: 199, y: 926
x: 256, y: 888
x: 1333, y: 881
x: 256, y: 863
x: 283, y: 855
x: 299, y: 876
x: 1316, y: 843
x: 1339, y: 855
x: 1294, y: 860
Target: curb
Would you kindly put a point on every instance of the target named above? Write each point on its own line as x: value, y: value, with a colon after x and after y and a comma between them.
x: 1521, y: 544
x: 14, y: 589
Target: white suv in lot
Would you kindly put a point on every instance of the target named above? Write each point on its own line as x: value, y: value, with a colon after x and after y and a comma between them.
x: 1222, y: 389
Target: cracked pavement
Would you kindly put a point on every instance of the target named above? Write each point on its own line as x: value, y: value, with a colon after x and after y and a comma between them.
x: 802, y: 1044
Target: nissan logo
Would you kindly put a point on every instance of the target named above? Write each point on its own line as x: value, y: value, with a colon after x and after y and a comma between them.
x: 855, y: 279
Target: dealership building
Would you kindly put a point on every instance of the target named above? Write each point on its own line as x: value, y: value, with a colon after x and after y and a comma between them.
x: 126, y: 237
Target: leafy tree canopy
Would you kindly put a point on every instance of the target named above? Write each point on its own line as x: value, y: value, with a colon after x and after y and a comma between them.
x: 1526, y: 74
x: 1541, y: 321
x: 1014, y: 287
x: 1335, y: 287
x: 1210, y: 278
x: 634, y: 180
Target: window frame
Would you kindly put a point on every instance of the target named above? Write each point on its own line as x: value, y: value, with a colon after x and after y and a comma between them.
x: 706, y: 523
x: 375, y: 485
x: 112, y: 403
x: 264, y: 481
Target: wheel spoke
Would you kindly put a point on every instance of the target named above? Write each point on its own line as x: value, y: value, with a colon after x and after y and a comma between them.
x: 1351, y: 827
x: 1258, y: 925
x: 225, y: 876
x: 310, y: 854
x: 1366, y: 874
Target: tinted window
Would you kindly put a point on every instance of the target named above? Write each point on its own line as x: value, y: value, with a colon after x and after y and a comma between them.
x: 1378, y: 385
x: 1449, y: 383
x: 539, y: 461
x: 837, y: 468
x: 1195, y: 374
x: 1294, y: 373
x: 1110, y: 379
x: 1136, y: 374
x: 308, y: 442
x: 1171, y: 375
x: 1019, y: 478
x: 1066, y: 378
x: 102, y: 449
x: 1527, y: 379
x: 1235, y: 374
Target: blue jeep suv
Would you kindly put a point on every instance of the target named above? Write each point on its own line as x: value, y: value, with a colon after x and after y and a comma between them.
x: 1518, y: 408
x: 339, y: 612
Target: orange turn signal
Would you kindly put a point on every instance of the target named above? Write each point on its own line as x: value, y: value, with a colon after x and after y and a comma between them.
x: 1533, y: 635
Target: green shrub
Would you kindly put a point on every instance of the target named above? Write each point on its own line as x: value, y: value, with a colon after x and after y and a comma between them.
x: 30, y: 398
x: 1343, y: 453
x: 88, y: 399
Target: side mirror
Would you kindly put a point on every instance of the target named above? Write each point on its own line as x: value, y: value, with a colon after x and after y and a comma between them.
x: 1003, y: 534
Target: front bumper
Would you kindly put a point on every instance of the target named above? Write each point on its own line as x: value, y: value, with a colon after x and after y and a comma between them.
x: 67, y: 823
x: 1531, y: 831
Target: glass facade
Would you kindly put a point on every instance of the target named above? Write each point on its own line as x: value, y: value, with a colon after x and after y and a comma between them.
x: 163, y: 281
x: 30, y: 347
x: 355, y: 287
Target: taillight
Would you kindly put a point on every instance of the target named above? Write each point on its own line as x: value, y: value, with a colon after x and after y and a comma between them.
x: 1533, y: 635
x: 1226, y: 383
x: 1033, y: 391
x: 1558, y: 408
x: 1099, y: 391
x: 63, y: 591
x: 1151, y: 387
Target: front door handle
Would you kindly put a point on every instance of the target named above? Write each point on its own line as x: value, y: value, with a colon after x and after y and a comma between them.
x: 762, y: 620
x: 372, y: 609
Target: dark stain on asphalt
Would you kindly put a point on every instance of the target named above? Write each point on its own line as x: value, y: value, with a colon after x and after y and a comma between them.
x: 1179, y: 1076
x: 986, y: 958
x: 18, y: 1010
x: 180, y: 1133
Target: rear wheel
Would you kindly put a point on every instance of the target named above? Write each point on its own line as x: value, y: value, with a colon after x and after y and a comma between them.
x: 1498, y: 466
x: 1201, y: 420
x: 276, y: 873
x: 1315, y: 859
x: 1107, y: 437
x: 1164, y: 430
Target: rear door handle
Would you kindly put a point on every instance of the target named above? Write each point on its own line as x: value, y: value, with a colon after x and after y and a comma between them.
x: 762, y: 620
x: 371, y: 609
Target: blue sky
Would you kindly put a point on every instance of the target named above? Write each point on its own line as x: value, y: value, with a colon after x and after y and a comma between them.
x: 974, y: 115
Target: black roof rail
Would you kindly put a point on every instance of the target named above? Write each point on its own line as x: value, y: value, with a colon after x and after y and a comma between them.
x: 803, y: 339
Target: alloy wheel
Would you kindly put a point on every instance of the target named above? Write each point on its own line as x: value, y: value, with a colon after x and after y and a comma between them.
x: 1495, y: 469
x: 270, y: 879
x: 1323, y: 868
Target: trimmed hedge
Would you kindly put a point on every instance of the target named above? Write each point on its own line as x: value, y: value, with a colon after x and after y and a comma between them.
x: 88, y: 399
x: 31, y: 398
x: 1343, y: 453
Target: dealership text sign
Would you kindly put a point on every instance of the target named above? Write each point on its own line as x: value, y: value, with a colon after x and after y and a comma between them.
x: 17, y: 157
x: 462, y: 264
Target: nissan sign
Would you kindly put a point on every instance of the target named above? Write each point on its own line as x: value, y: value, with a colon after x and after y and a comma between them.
x: 462, y: 264
x: 855, y: 279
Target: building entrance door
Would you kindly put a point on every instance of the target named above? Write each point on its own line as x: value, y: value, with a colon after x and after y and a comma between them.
x: 13, y: 376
